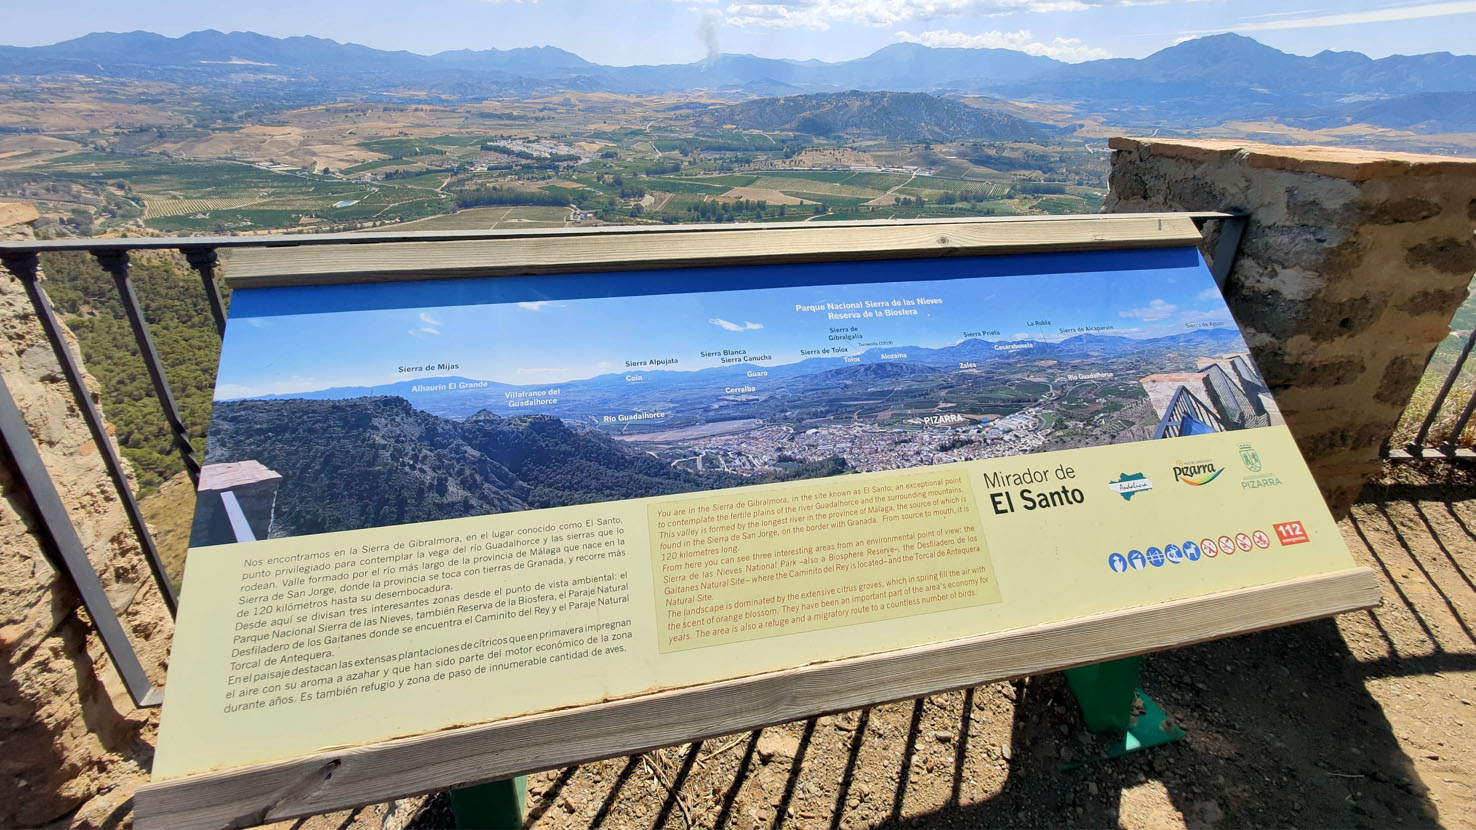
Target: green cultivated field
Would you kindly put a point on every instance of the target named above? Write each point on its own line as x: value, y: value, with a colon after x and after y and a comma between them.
x: 220, y: 196
x: 491, y: 218
x: 669, y: 185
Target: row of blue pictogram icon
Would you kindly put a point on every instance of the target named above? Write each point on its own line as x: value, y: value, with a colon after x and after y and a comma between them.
x: 1209, y: 548
x: 1156, y: 557
x: 1188, y: 551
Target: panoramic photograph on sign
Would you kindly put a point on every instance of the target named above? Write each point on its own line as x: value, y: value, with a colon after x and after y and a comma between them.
x: 410, y: 414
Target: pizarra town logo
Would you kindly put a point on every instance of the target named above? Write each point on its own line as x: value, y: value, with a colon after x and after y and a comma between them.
x: 1250, y: 458
x: 1197, y: 473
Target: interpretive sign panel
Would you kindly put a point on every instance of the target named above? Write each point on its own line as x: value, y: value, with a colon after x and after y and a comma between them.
x: 444, y: 502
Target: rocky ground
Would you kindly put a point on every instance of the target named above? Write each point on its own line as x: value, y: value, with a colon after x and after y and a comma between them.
x: 1363, y: 721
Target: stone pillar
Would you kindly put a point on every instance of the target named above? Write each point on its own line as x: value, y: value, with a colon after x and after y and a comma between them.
x: 1351, y: 266
x: 254, y: 489
x: 75, y: 746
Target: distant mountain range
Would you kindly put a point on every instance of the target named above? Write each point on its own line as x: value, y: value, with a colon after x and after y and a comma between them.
x: 1204, y: 81
x: 687, y: 393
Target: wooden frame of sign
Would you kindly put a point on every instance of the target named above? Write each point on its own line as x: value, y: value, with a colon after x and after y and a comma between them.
x: 349, y: 776
x: 606, y: 248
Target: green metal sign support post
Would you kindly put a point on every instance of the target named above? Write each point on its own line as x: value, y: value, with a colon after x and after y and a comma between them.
x: 1109, y: 697
x: 495, y: 805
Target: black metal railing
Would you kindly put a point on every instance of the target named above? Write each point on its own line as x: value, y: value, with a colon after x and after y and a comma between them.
x: 1184, y: 407
x: 1454, y: 444
x: 22, y: 258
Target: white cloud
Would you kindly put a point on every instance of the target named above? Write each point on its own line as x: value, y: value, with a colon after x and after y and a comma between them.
x: 1068, y: 49
x: 1384, y: 15
x: 233, y: 391
x: 1209, y: 295
x: 1153, y: 312
x: 1269, y: 15
x: 421, y: 332
x: 282, y: 386
x: 731, y: 326
x: 429, y: 320
x: 821, y: 14
x: 540, y: 305
x: 1191, y: 317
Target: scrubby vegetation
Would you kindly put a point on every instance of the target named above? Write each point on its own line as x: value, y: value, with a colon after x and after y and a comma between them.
x: 174, y: 303
x: 374, y: 461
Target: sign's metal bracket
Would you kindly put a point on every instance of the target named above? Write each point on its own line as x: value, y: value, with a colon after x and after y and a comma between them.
x: 1227, y: 247
x: 1109, y: 696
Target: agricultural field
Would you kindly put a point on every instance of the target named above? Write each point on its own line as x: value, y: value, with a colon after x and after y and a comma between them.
x: 585, y: 158
x: 176, y: 196
x: 492, y: 218
x: 156, y: 207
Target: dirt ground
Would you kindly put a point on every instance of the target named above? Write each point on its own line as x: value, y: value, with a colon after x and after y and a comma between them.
x: 1363, y: 721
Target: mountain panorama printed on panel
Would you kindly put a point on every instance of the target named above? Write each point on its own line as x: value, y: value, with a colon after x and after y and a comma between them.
x: 857, y: 398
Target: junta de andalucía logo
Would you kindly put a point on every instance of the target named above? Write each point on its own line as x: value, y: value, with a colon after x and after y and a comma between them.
x: 1129, y: 484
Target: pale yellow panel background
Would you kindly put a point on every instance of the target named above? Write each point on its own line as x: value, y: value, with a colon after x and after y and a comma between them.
x: 924, y: 536
x: 1049, y: 565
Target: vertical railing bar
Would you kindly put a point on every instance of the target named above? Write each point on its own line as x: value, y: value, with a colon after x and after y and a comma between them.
x: 1227, y: 247
x: 1439, y: 403
x: 25, y: 266
x: 57, y: 526
x: 116, y: 263
x: 1454, y: 439
x: 204, y: 260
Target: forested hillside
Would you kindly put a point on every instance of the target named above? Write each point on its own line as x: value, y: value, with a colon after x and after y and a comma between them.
x: 372, y: 461
x: 179, y: 318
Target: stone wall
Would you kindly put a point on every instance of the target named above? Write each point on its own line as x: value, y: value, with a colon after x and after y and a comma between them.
x: 75, y: 746
x: 1351, y: 266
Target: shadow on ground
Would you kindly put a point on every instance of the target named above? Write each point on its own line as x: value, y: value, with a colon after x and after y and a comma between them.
x: 1365, y: 721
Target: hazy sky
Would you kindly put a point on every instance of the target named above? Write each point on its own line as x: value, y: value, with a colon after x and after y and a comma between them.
x: 678, y: 31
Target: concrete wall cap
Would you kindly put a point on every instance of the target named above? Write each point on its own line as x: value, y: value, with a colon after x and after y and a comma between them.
x: 234, y: 474
x: 1351, y: 164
